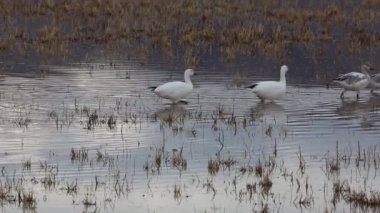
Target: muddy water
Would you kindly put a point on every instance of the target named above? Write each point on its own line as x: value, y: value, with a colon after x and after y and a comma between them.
x: 43, y: 119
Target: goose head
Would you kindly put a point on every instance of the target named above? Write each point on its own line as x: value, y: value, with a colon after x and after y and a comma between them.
x: 189, y: 72
x: 366, y: 68
x: 284, y: 69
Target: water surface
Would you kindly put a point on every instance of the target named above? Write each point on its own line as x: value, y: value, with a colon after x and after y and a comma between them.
x: 43, y: 119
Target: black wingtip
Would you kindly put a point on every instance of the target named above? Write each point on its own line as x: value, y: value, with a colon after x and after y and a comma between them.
x: 341, y: 78
x: 251, y: 86
x: 152, y: 88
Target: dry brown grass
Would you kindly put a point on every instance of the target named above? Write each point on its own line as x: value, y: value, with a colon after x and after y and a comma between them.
x: 194, y: 27
x: 213, y: 166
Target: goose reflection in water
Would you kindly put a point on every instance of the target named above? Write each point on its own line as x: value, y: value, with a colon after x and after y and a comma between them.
x: 271, y: 120
x: 352, y: 107
x: 268, y: 112
x: 367, y: 111
x: 172, y: 116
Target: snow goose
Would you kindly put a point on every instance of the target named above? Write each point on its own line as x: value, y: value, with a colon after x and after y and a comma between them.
x: 175, y: 90
x: 271, y: 90
x: 354, y: 81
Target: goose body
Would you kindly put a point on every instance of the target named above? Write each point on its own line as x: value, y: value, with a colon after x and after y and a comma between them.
x: 271, y: 90
x: 374, y: 82
x: 354, y: 81
x: 176, y: 90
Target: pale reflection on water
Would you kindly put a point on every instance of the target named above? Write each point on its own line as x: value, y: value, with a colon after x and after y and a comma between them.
x: 172, y: 115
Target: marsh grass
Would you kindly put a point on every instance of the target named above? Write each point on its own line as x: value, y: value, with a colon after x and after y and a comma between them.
x: 49, y: 181
x: 71, y: 189
x: 195, y: 28
x: 177, y: 192
x: 178, y: 161
x: 27, y: 165
x: 213, y: 166
x: 266, y: 183
x: 158, y: 157
x: 80, y: 155
x: 363, y: 199
x: 89, y: 200
x: 6, y: 194
x: 23, y: 121
x: 28, y: 200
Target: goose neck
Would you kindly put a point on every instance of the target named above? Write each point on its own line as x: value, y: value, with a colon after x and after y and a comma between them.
x: 282, y: 77
x: 365, y: 72
x: 187, y: 79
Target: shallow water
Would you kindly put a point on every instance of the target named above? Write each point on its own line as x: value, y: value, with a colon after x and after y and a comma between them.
x: 43, y: 119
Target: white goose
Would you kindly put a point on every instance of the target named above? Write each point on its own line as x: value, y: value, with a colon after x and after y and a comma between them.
x: 271, y: 90
x: 176, y: 90
x: 354, y: 81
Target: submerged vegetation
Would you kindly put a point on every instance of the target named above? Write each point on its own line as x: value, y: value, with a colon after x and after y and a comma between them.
x: 254, y: 177
x: 196, y: 28
x: 257, y: 182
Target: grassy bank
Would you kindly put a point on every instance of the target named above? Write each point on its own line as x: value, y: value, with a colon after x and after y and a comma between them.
x: 188, y: 29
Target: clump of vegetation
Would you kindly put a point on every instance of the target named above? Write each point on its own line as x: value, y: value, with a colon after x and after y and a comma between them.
x: 227, y: 163
x: 6, y: 195
x: 213, y: 166
x: 266, y: 182
x: 89, y: 200
x: 177, y: 192
x: 334, y: 166
x: 362, y: 199
x: 178, y: 161
x: 245, y: 169
x: 49, y: 181
x: 22, y: 121
x: 28, y: 201
x: 259, y: 169
x: 158, y: 158
x: 71, y: 189
x: 79, y: 154
x: 92, y: 120
x: 251, y: 189
x: 111, y: 122
x: 27, y: 164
